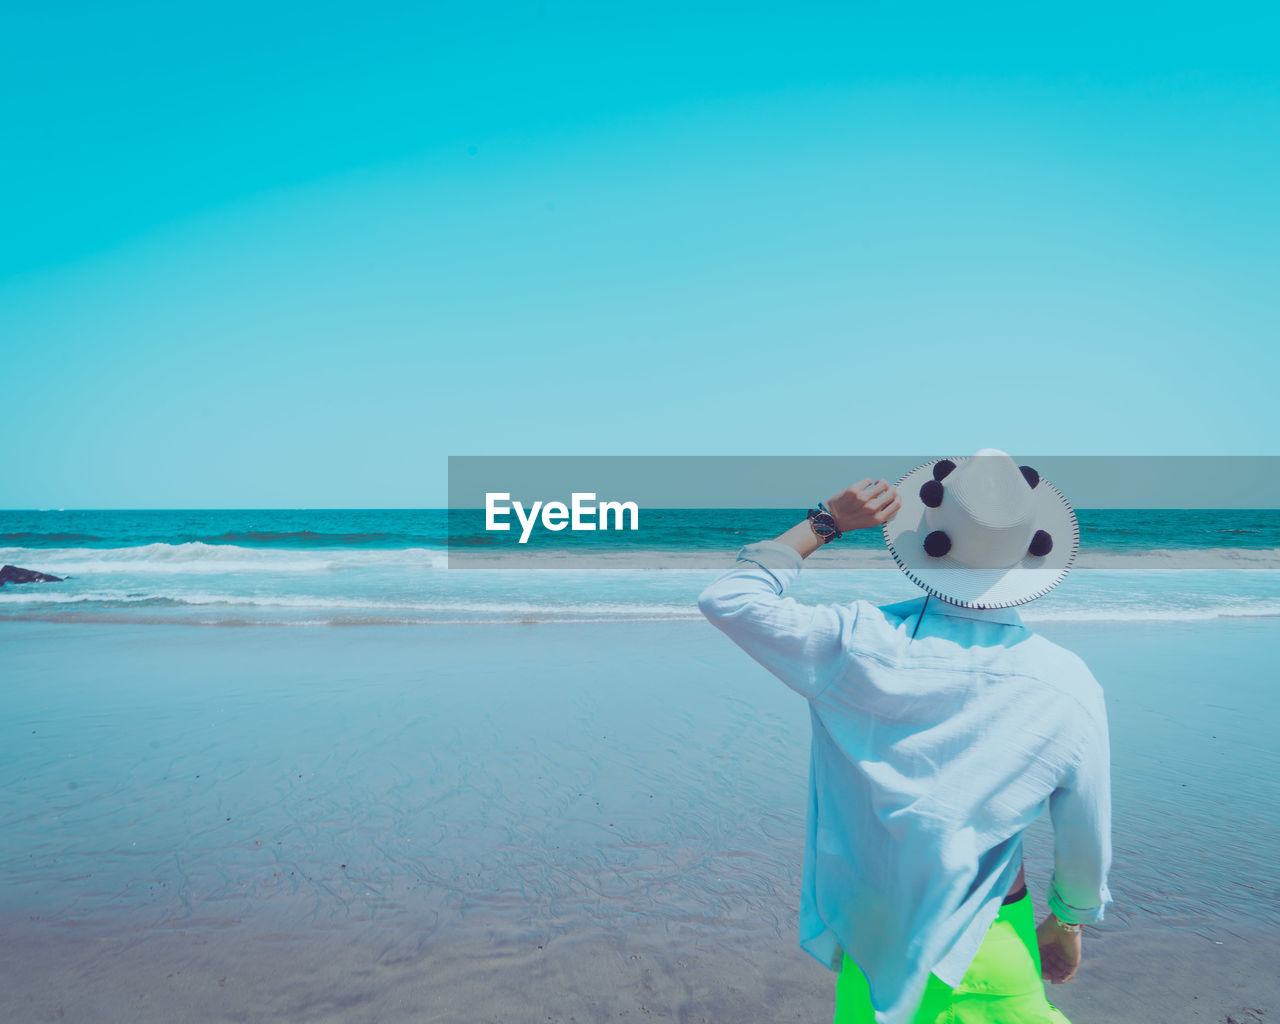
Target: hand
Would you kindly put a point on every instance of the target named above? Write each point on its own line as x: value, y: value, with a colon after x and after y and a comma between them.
x: 866, y: 504
x: 1060, y: 951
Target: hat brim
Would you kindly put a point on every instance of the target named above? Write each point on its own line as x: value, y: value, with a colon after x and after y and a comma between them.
x: 958, y: 584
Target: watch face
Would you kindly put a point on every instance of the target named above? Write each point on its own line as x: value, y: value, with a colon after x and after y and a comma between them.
x: 823, y: 524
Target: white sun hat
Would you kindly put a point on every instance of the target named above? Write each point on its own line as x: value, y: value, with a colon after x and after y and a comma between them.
x: 982, y: 531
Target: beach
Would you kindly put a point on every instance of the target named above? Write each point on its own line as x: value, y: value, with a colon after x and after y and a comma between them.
x: 552, y: 821
x: 385, y: 383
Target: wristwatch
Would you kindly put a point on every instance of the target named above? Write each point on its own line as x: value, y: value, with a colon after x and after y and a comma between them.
x: 823, y: 524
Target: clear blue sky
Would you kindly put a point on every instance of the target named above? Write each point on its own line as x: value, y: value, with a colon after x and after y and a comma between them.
x: 297, y: 254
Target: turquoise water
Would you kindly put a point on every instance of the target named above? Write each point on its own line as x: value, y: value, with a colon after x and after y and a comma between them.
x: 1113, y: 530
x: 336, y: 567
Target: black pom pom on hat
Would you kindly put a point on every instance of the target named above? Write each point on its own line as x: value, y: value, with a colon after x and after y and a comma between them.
x: 937, y: 544
x: 941, y: 468
x: 1032, y: 477
x: 931, y: 493
x: 1041, y: 544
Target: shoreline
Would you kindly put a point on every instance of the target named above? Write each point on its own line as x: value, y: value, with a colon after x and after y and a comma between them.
x: 187, y: 618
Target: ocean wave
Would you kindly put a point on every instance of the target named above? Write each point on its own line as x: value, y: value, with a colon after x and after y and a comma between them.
x: 198, y: 557
x: 1181, y: 559
x: 315, y: 539
x: 859, y: 559
x: 27, y: 538
x: 1148, y: 560
x: 287, y: 609
x: 107, y: 599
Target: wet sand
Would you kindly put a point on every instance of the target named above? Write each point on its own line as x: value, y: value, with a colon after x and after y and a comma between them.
x: 386, y: 824
x: 496, y: 974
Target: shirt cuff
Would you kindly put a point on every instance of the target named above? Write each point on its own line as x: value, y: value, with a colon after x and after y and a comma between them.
x: 1068, y: 914
x: 780, y: 561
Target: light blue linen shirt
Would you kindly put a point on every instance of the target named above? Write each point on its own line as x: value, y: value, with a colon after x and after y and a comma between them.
x: 929, y: 758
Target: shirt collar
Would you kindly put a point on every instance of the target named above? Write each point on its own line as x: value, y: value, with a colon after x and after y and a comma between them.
x: 1005, y: 616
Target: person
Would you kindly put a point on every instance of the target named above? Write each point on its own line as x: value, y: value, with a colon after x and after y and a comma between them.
x: 941, y: 728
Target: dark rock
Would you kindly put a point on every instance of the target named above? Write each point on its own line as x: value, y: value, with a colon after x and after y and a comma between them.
x: 12, y: 574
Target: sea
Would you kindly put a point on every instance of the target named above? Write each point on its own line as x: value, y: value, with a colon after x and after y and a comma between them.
x: 318, y: 567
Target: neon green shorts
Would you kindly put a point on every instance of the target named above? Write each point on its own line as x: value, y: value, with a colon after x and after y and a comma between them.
x: 1002, y: 985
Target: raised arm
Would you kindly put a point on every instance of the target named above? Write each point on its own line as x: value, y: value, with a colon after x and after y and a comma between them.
x: 800, y: 644
x: 866, y: 504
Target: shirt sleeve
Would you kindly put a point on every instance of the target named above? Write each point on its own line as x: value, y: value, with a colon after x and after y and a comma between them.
x: 800, y: 644
x: 1081, y: 811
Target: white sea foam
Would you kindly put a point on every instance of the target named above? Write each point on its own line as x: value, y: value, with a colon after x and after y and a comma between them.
x: 694, y: 559
x: 288, y: 585
x: 1147, y: 608
x: 46, y: 597
x: 197, y: 557
x: 1182, y: 559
